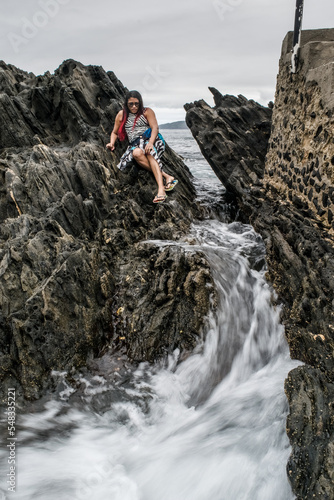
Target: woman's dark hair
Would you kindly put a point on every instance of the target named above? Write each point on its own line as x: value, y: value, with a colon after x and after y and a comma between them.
x: 131, y: 93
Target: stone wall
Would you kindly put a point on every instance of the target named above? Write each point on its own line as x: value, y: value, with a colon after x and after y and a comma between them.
x: 299, y: 184
x: 300, y: 160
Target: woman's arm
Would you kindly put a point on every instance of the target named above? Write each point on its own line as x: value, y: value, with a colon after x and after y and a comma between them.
x: 113, y: 135
x: 152, y: 121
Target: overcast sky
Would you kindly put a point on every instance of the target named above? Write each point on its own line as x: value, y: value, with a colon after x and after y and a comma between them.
x: 169, y: 50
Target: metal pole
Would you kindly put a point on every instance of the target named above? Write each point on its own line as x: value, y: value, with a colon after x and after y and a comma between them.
x: 296, y: 35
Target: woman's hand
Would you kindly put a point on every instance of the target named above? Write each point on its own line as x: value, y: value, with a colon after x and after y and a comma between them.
x: 113, y: 135
x: 149, y: 147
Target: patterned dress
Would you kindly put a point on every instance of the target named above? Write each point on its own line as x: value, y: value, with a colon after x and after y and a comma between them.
x: 136, y: 140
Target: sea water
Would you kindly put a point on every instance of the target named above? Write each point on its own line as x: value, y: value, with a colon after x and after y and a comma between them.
x: 210, y: 427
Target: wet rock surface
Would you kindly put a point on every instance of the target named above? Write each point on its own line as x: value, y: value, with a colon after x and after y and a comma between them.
x: 163, y: 288
x: 310, y: 430
x: 288, y: 198
x: 76, y: 277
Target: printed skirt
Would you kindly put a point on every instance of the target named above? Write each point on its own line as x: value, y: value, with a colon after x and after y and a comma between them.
x: 157, y: 152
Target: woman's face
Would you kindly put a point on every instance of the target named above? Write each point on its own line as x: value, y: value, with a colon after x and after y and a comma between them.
x: 133, y: 105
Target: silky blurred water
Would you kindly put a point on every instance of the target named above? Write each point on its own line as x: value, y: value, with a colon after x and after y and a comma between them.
x: 211, y: 427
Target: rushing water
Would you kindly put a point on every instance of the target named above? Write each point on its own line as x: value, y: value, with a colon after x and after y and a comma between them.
x: 211, y: 427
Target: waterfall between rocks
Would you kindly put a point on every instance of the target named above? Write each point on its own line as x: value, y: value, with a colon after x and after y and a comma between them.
x: 211, y: 427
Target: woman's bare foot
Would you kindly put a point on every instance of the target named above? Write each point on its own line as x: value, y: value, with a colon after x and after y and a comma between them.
x: 168, y: 179
x: 171, y: 185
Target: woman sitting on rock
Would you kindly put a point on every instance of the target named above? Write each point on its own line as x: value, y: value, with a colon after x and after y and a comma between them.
x: 146, y: 145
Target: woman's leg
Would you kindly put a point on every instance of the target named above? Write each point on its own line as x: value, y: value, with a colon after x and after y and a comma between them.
x: 141, y: 159
x: 157, y: 174
x: 152, y: 166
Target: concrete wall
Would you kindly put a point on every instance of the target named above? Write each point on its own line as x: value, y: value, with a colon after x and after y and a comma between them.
x: 300, y: 159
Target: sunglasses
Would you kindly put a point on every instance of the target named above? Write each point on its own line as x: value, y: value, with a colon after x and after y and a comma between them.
x: 133, y: 104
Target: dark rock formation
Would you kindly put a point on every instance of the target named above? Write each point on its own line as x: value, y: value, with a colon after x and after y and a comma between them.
x: 310, y: 430
x: 233, y: 137
x: 76, y: 275
x: 289, y: 200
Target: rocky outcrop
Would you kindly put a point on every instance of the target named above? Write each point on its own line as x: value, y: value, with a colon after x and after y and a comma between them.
x: 77, y: 272
x: 300, y: 162
x: 310, y: 430
x: 233, y: 137
x: 289, y: 200
x: 299, y: 171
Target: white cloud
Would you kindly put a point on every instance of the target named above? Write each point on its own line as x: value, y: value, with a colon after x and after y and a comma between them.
x: 171, y: 51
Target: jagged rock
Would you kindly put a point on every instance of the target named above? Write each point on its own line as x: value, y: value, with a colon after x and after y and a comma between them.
x: 71, y: 229
x: 299, y: 171
x: 289, y: 200
x: 310, y: 430
x: 178, y: 284
x: 233, y: 137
